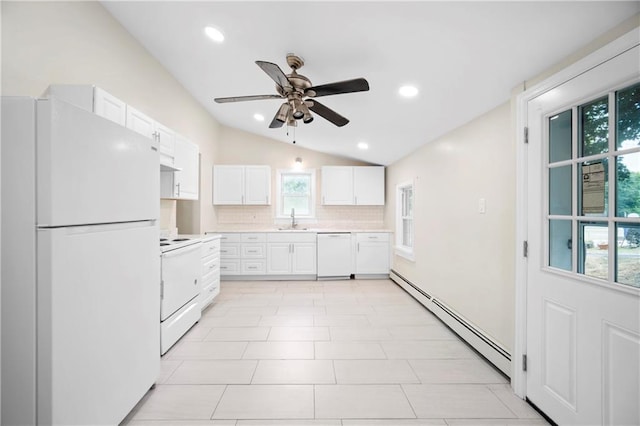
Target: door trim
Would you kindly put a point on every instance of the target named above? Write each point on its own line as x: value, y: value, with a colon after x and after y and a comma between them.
x: 603, y: 54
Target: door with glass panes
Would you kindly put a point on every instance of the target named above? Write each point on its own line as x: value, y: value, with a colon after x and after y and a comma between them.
x: 583, y: 270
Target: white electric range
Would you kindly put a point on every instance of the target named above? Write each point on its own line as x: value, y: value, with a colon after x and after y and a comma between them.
x: 181, y: 271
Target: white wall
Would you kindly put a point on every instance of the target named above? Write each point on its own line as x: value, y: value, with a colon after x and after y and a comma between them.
x: 47, y: 43
x: 463, y: 257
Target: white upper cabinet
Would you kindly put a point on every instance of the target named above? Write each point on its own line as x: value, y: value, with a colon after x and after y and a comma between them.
x: 368, y: 186
x: 344, y: 185
x: 337, y: 185
x: 109, y: 107
x: 182, y: 184
x: 140, y: 123
x: 147, y: 126
x: 92, y: 99
x: 237, y: 185
x: 257, y: 185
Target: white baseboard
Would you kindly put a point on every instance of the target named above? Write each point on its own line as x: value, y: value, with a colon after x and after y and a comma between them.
x: 480, y: 341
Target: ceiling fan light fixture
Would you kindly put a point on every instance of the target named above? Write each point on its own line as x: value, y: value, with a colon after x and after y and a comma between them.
x: 283, y: 113
x: 214, y: 34
x: 308, y: 118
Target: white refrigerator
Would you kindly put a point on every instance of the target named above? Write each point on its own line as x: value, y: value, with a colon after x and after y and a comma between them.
x: 80, y: 265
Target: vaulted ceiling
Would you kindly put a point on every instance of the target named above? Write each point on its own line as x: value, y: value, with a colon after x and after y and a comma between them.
x: 464, y: 57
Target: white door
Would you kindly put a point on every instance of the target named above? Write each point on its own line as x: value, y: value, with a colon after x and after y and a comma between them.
x: 372, y: 257
x: 186, y: 180
x: 98, y: 303
x: 228, y: 185
x: 583, y: 268
x: 303, y: 259
x: 140, y: 123
x: 181, y: 273
x: 279, y: 258
x: 368, y: 186
x: 337, y: 185
x: 257, y: 186
x: 91, y: 170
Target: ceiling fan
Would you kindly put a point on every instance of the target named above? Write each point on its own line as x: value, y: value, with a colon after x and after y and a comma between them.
x: 300, y: 94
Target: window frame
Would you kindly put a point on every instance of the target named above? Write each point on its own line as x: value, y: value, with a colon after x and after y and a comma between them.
x: 279, y: 214
x: 400, y: 249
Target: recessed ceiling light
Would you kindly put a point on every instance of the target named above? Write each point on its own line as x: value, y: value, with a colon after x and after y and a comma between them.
x: 258, y: 117
x: 363, y: 145
x: 408, y: 91
x: 214, y: 34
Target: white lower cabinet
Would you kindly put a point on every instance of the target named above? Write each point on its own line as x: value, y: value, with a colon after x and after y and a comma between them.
x: 290, y: 253
x: 372, y: 253
x: 210, y: 280
x: 243, y: 254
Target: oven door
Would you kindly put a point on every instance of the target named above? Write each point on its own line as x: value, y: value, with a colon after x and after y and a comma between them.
x: 181, y: 270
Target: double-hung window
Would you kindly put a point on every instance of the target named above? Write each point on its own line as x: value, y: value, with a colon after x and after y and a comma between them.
x: 296, y: 191
x: 404, y: 220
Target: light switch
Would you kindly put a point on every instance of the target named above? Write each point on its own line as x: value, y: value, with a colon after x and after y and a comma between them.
x: 482, y: 206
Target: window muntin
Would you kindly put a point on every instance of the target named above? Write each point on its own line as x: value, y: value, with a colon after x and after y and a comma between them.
x: 593, y: 190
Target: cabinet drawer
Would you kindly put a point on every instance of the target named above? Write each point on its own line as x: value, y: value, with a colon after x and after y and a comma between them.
x: 210, y: 248
x: 211, y: 276
x: 250, y: 251
x: 362, y: 237
x: 253, y: 238
x: 292, y: 237
x: 229, y: 267
x: 252, y: 267
x: 210, y: 266
x: 208, y: 294
x: 229, y: 250
x: 233, y: 237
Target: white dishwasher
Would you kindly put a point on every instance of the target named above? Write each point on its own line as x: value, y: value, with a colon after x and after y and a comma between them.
x: 334, y: 256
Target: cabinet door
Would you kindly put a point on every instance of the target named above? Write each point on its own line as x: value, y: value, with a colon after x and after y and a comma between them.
x: 228, y: 185
x: 187, y: 159
x: 109, y: 107
x: 303, y: 259
x: 257, y: 185
x: 140, y: 123
x: 166, y: 138
x: 372, y: 257
x: 278, y: 258
x: 368, y: 186
x: 337, y: 185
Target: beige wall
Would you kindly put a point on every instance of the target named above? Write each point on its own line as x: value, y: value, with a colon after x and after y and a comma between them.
x: 239, y: 147
x: 47, y: 43
x: 464, y: 258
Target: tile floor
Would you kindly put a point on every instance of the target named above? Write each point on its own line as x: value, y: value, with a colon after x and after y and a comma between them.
x: 334, y: 353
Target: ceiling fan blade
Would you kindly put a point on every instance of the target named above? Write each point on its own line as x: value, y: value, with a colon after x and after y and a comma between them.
x: 347, y: 86
x: 246, y: 98
x: 275, y: 73
x: 327, y: 113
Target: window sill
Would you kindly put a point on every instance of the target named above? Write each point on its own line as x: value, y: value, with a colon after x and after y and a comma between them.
x: 405, y: 253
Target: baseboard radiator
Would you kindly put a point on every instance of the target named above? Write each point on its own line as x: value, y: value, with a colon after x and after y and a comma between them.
x: 480, y: 341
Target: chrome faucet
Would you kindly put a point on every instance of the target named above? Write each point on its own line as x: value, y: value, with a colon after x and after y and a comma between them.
x: 293, y: 218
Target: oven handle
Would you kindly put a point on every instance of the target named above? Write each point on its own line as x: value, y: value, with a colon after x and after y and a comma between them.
x: 182, y: 250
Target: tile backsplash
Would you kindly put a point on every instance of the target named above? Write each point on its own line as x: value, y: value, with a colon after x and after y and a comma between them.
x: 351, y: 217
